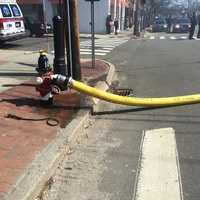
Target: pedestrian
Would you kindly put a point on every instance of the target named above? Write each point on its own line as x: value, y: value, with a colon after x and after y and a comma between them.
x: 108, y: 24
x: 169, y: 23
x: 193, y: 23
x: 198, y: 21
x: 116, y: 25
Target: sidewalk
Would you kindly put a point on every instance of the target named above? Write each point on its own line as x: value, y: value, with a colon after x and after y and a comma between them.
x: 21, y: 66
x: 125, y: 33
x: 31, y: 150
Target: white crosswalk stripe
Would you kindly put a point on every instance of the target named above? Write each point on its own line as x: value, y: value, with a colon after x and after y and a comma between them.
x: 184, y: 37
x: 168, y: 37
x: 89, y: 53
x: 152, y: 37
x: 159, y: 174
x: 162, y: 37
x: 99, y: 46
x: 102, y: 46
x: 96, y: 50
x: 196, y: 38
x: 173, y: 38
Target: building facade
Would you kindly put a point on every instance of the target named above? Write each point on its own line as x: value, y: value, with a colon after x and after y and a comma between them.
x: 116, y: 8
x: 46, y: 9
x: 39, y: 9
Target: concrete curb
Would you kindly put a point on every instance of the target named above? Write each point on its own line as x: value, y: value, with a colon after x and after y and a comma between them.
x: 106, y: 76
x: 43, y: 167
x: 104, y: 85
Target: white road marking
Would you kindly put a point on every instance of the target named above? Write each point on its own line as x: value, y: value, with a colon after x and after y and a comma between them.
x: 106, y: 48
x: 162, y: 37
x: 159, y: 173
x: 96, y: 50
x: 184, y: 37
x: 152, y: 38
x: 105, y: 44
x: 105, y: 41
x: 89, y: 53
x: 173, y: 38
x: 196, y: 38
x: 100, y: 46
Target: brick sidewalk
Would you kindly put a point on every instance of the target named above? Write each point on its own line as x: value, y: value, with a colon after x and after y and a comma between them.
x: 21, y: 141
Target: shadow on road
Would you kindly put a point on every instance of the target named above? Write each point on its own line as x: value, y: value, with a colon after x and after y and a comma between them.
x: 27, y: 64
x: 134, y: 110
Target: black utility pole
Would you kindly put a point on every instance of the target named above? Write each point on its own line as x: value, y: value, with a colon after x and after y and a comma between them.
x: 59, y: 46
x: 72, y: 38
x: 60, y: 10
x: 75, y: 39
x: 136, y: 30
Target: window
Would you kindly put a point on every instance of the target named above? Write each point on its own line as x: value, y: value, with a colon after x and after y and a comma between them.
x: 15, y: 10
x: 5, y: 10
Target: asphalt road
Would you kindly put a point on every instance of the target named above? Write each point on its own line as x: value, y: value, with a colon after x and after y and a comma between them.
x: 111, y: 158
x: 157, y: 68
x: 106, y: 164
x: 104, y: 44
x: 31, y: 44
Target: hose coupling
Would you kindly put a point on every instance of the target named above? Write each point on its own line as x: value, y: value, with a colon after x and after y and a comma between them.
x: 60, y: 80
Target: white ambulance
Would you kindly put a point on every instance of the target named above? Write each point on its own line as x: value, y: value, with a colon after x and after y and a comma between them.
x: 11, y: 21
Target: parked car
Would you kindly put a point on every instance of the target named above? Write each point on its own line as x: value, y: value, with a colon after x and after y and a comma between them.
x: 180, y: 25
x: 159, y: 25
x: 11, y: 21
x: 36, y: 27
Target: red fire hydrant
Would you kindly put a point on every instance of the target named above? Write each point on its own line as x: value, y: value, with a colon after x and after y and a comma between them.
x: 45, y: 85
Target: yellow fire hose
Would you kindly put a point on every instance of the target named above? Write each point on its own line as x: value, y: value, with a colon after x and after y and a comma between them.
x: 133, y: 101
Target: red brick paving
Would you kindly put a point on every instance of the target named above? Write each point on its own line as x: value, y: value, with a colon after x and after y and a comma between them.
x: 20, y: 140
x: 3, y: 62
x: 88, y: 71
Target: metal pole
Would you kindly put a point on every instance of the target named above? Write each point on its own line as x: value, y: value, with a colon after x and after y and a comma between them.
x: 68, y: 38
x: 60, y: 8
x: 44, y: 14
x: 92, y: 33
x: 45, y: 21
x: 59, y: 46
x: 136, y: 19
x: 74, y: 21
x: 115, y: 9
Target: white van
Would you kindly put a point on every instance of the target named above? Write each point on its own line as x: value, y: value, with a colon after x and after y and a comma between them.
x: 11, y: 21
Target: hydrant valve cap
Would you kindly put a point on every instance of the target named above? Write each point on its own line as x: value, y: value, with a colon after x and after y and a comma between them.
x: 39, y: 80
